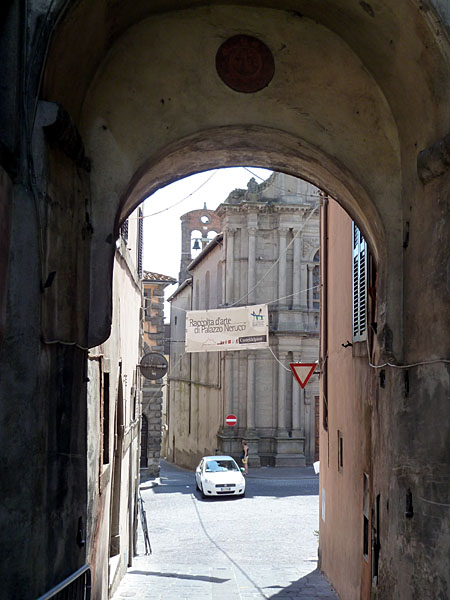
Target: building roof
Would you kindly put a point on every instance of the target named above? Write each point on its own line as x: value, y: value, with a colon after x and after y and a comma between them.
x: 185, y: 283
x: 279, y: 189
x: 152, y: 277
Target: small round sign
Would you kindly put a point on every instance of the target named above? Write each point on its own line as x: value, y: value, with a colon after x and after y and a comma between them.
x: 153, y: 365
x: 231, y: 420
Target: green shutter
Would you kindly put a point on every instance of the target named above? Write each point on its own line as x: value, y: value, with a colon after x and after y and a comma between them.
x: 359, y: 286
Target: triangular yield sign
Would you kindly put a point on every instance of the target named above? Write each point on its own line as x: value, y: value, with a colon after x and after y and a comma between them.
x: 302, y: 372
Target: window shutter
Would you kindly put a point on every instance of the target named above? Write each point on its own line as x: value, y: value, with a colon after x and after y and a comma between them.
x: 140, y: 240
x: 359, y: 285
x: 124, y: 231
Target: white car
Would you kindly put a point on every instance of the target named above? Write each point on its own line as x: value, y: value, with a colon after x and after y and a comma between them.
x: 219, y: 476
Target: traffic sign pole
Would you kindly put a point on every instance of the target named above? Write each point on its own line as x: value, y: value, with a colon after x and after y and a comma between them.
x: 231, y: 421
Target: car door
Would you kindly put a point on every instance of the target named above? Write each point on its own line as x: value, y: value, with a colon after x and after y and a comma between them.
x: 198, y: 473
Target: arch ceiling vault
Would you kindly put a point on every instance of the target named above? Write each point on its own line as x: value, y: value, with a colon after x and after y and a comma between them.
x: 345, y: 108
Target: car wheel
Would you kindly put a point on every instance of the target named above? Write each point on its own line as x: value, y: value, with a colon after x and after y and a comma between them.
x: 196, y: 484
x: 202, y: 492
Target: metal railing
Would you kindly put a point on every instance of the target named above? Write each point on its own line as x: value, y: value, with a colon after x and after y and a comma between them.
x: 75, y: 587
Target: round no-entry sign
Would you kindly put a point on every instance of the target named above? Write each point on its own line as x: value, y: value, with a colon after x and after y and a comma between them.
x: 231, y: 420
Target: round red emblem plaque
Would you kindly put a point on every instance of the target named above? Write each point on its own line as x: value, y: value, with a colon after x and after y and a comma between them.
x: 245, y: 64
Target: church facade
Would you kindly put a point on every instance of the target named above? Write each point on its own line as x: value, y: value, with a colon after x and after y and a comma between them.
x: 268, y: 253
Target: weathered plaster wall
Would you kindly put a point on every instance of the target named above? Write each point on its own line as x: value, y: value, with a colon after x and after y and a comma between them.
x: 43, y: 380
x: 410, y: 427
x: 5, y: 229
x: 43, y: 420
x: 118, y: 358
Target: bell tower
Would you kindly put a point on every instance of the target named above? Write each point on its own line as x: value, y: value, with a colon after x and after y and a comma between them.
x: 197, y: 229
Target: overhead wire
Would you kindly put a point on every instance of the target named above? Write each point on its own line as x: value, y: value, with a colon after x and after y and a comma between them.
x: 178, y: 202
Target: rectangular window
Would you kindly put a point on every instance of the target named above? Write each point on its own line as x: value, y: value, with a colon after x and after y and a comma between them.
x: 366, y: 517
x: 376, y: 540
x: 340, y: 451
x: 105, y: 416
x: 360, y: 262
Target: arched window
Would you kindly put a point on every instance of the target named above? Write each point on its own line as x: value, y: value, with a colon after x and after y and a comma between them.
x: 196, y: 243
x: 197, y: 295
x: 219, y: 286
x: 207, y: 300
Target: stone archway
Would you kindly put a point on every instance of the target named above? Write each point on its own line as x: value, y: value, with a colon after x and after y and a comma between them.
x: 358, y: 104
x: 334, y: 113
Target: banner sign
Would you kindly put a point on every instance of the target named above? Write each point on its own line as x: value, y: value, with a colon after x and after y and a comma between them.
x: 240, y: 328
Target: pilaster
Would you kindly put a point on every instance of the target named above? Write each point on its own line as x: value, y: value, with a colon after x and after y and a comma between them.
x: 282, y: 234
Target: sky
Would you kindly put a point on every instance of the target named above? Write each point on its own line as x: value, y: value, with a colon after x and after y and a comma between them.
x: 162, y: 232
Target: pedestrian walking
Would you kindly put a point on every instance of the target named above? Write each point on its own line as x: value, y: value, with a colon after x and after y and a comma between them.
x: 244, y: 456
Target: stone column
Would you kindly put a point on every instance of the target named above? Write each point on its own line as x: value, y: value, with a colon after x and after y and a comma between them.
x: 229, y: 265
x: 281, y: 424
x: 251, y: 391
x: 282, y: 266
x: 251, y: 265
x: 310, y: 287
x: 296, y: 274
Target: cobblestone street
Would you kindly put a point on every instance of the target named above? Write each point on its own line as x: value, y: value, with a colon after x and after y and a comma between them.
x: 260, y: 546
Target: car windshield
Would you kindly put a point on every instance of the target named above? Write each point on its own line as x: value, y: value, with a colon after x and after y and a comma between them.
x: 216, y: 466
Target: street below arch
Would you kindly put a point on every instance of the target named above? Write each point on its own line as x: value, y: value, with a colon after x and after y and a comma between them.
x: 261, y: 546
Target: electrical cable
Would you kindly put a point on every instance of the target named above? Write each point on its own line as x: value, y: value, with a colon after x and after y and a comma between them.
x: 417, y: 364
x: 393, y: 365
x: 269, y: 302
x: 278, y: 361
x: 50, y: 342
x: 178, y: 202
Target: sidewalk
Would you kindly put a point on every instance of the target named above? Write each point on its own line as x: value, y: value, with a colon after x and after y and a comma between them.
x: 274, y: 473
x: 290, y: 473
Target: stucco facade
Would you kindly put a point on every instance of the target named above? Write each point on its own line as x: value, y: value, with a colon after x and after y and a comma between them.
x: 347, y: 388
x: 104, y: 102
x: 114, y: 398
